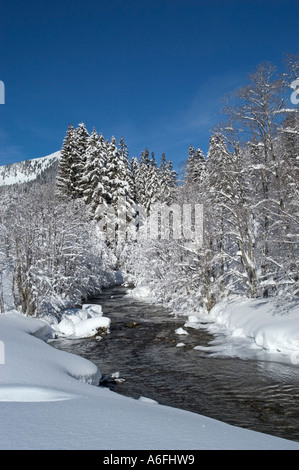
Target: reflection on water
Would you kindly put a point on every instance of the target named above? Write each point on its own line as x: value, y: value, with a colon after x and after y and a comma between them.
x: 142, y: 347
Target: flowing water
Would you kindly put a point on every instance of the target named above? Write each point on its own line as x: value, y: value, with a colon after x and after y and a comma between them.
x: 261, y: 395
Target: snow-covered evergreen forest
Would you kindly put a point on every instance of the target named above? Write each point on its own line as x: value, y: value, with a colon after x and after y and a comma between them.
x: 62, y: 240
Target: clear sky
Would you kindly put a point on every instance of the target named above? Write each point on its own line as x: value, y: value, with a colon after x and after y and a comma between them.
x: 151, y: 71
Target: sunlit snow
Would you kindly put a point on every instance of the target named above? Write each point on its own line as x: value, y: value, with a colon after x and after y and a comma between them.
x: 49, y: 399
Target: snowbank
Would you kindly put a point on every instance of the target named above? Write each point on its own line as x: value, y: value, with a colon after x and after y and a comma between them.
x: 253, y: 325
x: 80, y: 323
x: 48, y: 400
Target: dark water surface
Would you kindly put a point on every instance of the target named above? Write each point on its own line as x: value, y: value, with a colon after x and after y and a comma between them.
x: 141, y: 346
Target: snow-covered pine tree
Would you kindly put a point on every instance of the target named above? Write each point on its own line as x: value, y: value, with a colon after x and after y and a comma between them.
x: 64, y: 179
x: 152, y: 184
x: 79, y: 158
x: 101, y: 194
x: 120, y: 197
x: 215, y: 216
x: 172, y: 178
x: 112, y: 172
x: 93, y: 179
x: 193, y: 175
x: 195, y: 166
x: 141, y: 174
x: 129, y: 174
x: 87, y: 176
x: 167, y: 181
x: 123, y: 149
x: 134, y: 170
x: 72, y: 161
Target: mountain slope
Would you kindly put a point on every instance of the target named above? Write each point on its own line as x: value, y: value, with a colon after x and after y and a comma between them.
x: 38, y: 169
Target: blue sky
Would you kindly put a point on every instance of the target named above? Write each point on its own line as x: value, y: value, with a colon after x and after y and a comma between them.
x: 151, y: 71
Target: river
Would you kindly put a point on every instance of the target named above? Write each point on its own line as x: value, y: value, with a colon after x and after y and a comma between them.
x: 141, y: 350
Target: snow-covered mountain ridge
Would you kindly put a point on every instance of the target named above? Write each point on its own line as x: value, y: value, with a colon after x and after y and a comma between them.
x: 43, y: 169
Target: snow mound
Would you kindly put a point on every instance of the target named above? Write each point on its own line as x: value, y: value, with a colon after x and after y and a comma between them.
x: 82, y: 323
x: 147, y: 400
x: 140, y: 292
x: 91, y: 327
x: 193, y: 322
x: 181, y: 331
x: 22, y: 393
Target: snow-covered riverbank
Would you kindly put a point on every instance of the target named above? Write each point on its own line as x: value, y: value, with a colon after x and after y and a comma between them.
x: 49, y: 400
x: 255, y: 327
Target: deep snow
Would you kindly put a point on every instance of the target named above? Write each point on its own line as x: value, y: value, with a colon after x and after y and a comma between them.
x: 49, y: 399
x: 253, y: 328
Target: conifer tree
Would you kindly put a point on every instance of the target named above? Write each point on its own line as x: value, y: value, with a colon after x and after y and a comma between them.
x: 72, y: 161
x: 120, y: 197
x: 134, y: 173
x: 167, y: 180
x: 172, y: 177
x: 151, y: 184
x: 79, y: 158
x: 129, y: 176
x: 141, y: 174
x: 164, y: 193
x: 65, y: 178
x: 195, y: 166
x: 94, y: 181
